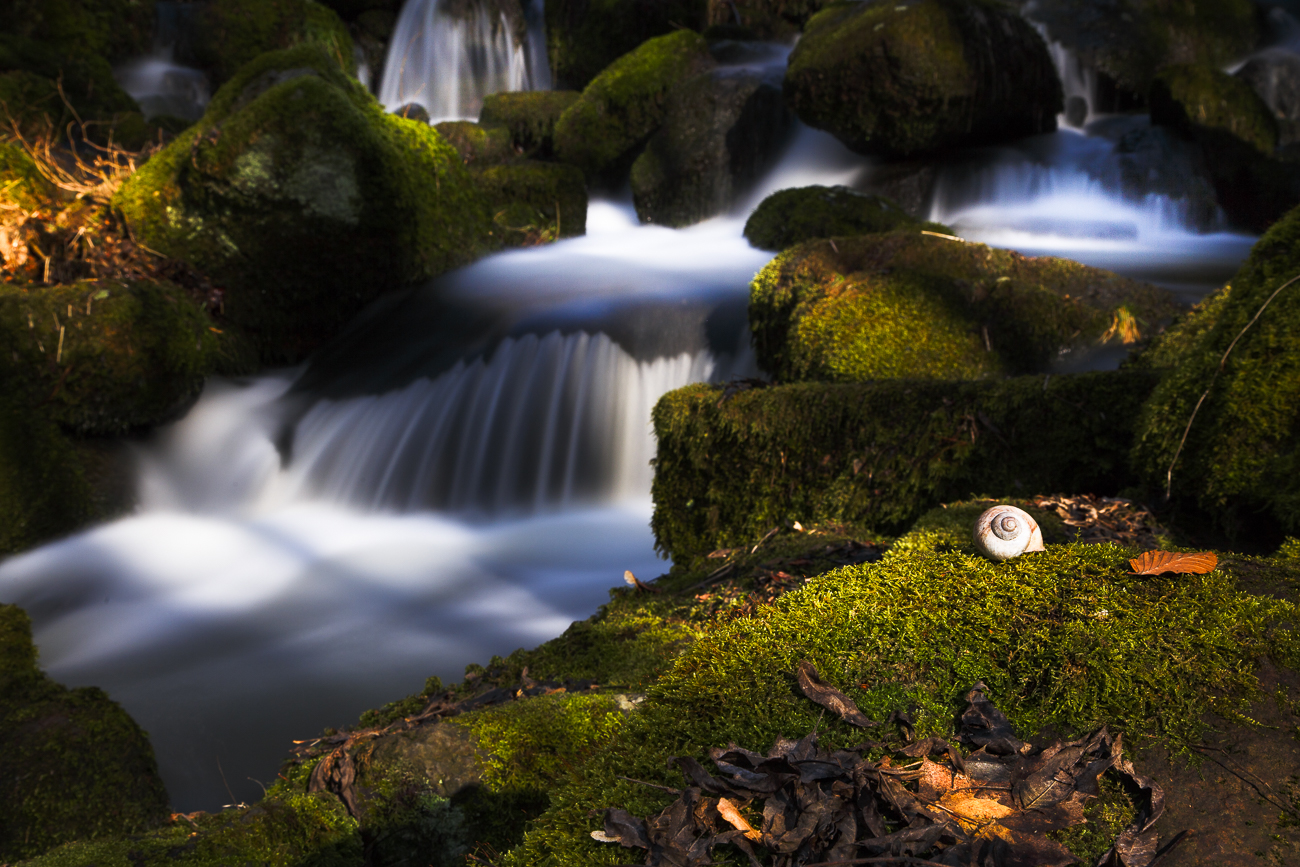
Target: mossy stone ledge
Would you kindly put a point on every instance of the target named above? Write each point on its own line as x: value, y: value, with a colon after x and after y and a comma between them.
x: 233, y: 33
x: 530, y: 116
x: 799, y: 214
x: 1241, y: 455
x: 879, y: 454
x: 626, y: 103
x: 534, y: 202
x: 923, y: 76
x: 477, y: 144
x: 907, y: 304
x: 74, y: 766
x: 305, y: 201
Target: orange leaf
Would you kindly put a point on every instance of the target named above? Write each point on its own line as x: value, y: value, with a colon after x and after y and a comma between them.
x: 737, y: 821
x: 1160, y: 562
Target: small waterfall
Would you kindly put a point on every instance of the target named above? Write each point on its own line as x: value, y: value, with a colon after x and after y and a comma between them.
x: 447, y: 55
x: 1078, y: 81
x: 159, y: 84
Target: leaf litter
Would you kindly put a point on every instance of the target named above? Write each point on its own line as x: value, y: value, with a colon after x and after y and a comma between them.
x: 925, y: 802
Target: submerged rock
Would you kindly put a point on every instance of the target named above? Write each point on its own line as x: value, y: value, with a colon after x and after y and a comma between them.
x: 627, y: 102
x: 801, y: 214
x: 530, y: 116
x: 305, y: 201
x: 1240, y: 459
x: 721, y: 131
x: 75, y: 766
x: 903, y: 304
x: 903, y: 79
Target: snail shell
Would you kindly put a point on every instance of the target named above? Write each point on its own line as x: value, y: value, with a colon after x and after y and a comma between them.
x: 1003, y: 532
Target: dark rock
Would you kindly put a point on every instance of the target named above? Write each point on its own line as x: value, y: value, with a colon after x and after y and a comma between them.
x: 1201, y: 96
x: 761, y: 19
x: 910, y: 183
x: 721, y: 130
x: 793, y: 216
x: 903, y: 79
x: 530, y: 116
x: 1275, y: 76
x: 583, y: 37
x: 232, y: 33
x: 413, y: 111
x: 627, y: 102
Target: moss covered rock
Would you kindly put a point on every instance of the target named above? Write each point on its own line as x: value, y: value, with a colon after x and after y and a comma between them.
x: 534, y: 202
x: 305, y: 201
x: 74, y: 766
x: 31, y: 72
x: 879, y: 454
x: 530, y: 116
x: 923, y: 76
x: 112, y: 29
x: 477, y: 144
x: 1241, y: 455
x: 903, y: 304
x: 21, y: 183
x: 799, y: 214
x: 1187, y: 96
x: 583, y: 37
x: 234, y: 32
x: 105, y: 358
x: 627, y: 102
x: 721, y: 131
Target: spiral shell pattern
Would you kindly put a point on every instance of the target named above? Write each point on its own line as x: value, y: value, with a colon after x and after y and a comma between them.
x: 1003, y: 532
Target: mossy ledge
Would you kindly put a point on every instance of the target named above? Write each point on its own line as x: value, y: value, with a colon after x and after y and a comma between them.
x: 879, y: 454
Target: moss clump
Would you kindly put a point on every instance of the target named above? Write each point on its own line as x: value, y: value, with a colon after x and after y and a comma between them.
x: 626, y: 103
x: 477, y: 145
x: 104, y: 358
x: 111, y: 29
x: 305, y: 201
x: 898, y: 80
x: 234, y: 32
x: 74, y: 765
x: 530, y: 116
x: 583, y: 37
x: 877, y: 455
x: 1241, y: 455
x: 1067, y: 640
x: 534, y: 202
x: 1187, y: 96
x: 907, y: 304
x: 801, y: 214
x: 21, y: 184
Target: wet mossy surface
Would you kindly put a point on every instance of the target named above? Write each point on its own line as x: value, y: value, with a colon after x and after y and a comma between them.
x: 534, y: 202
x: 75, y: 766
x: 1187, y: 96
x: 299, y: 195
x: 1238, y: 463
x: 583, y: 37
x: 478, y: 145
x: 922, y: 76
x: 906, y: 304
x: 626, y: 103
x: 530, y: 116
x: 235, y: 32
x: 877, y: 455
x: 801, y: 214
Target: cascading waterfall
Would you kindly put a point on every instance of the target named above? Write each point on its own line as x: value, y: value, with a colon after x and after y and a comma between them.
x: 446, y: 55
x: 160, y: 84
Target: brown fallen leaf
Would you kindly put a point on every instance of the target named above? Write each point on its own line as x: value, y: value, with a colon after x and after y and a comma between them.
x: 1160, y: 562
x: 829, y: 697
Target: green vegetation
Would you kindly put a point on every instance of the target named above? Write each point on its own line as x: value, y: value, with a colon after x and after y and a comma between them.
x: 583, y: 37
x: 906, y: 304
x: 898, y: 80
x: 1187, y: 96
x: 530, y: 116
x: 877, y: 455
x: 235, y: 32
x: 300, y: 196
x: 478, y: 145
x: 801, y: 214
x: 534, y: 202
x: 21, y: 184
x: 626, y: 103
x: 1239, y: 461
x: 74, y: 766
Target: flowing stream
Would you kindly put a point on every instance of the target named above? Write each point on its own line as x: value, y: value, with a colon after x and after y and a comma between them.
x: 466, y: 470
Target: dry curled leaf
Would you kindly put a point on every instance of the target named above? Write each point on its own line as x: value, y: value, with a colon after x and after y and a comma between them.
x: 1160, y: 562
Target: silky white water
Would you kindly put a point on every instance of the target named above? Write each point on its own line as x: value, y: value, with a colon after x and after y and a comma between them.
x: 466, y: 470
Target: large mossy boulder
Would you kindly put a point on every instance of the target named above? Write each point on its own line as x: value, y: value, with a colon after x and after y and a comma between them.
x: 305, y: 201
x: 530, y: 116
x: 583, y: 37
x: 904, y: 304
x: 799, y: 214
x: 534, y: 202
x: 721, y: 131
x: 1239, y: 458
x: 74, y: 766
x: 902, y: 79
x: 105, y: 358
x: 627, y: 102
x: 232, y: 33
x: 879, y: 454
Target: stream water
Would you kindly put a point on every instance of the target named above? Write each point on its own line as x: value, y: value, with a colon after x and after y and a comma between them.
x: 466, y: 470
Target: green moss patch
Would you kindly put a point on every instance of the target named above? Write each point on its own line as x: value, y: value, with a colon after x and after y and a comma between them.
x: 801, y: 214
x: 234, y: 32
x: 74, y: 765
x: 534, y: 202
x: 922, y: 76
x: 907, y: 304
x: 1239, y: 461
x: 620, y: 109
x: 583, y: 37
x: 530, y: 116
x: 877, y: 455
x: 1187, y: 96
x: 477, y: 144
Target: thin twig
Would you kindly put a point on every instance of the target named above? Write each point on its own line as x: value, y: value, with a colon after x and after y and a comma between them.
x: 1169, y: 476
x: 669, y: 789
